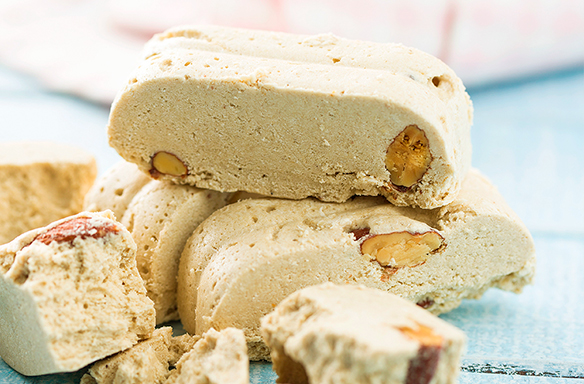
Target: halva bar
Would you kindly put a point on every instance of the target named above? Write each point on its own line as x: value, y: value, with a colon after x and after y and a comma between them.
x: 295, y: 116
x: 247, y: 257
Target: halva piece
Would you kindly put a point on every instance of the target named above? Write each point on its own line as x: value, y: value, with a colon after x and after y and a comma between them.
x: 161, y: 218
x: 150, y: 361
x: 116, y: 189
x: 353, y: 334
x: 41, y: 182
x: 217, y: 358
x: 70, y: 294
x: 247, y: 257
x: 295, y: 116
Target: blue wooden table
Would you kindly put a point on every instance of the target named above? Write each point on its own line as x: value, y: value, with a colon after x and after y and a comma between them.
x: 528, y: 138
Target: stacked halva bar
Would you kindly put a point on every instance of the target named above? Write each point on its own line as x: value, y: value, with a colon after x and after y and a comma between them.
x: 281, y: 162
x: 295, y: 116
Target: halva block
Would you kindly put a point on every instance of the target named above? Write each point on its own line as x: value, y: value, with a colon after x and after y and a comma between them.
x: 41, y: 182
x: 353, y: 334
x: 150, y: 361
x: 70, y: 294
x: 294, y: 116
x: 217, y: 358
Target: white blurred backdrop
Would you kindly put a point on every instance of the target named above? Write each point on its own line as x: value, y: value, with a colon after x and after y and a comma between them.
x: 89, y: 47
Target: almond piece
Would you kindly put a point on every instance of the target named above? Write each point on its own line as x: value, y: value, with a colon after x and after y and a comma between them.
x: 408, y: 158
x: 165, y: 163
x: 424, y: 335
x: 81, y: 227
x: 360, y: 233
x: 402, y: 249
x: 422, y: 368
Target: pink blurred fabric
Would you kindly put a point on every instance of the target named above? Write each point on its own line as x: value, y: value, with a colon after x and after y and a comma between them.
x: 89, y: 47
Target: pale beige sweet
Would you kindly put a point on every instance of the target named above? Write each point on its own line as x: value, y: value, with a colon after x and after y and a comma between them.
x: 217, y: 358
x: 161, y: 217
x: 353, y: 334
x: 294, y: 116
x: 70, y: 294
x: 41, y: 182
x: 149, y: 361
x: 116, y: 189
x: 247, y: 257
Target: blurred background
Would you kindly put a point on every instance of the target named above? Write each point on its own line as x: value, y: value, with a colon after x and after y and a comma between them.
x: 89, y: 47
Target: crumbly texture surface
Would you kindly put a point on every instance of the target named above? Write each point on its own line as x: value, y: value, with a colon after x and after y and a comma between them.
x: 149, y: 361
x: 292, y: 116
x: 161, y: 217
x: 41, y: 182
x: 353, y: 334
x: 70, y: 294
x: 217, y: 358
x: 273, y: 247
x: 116, y: 189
